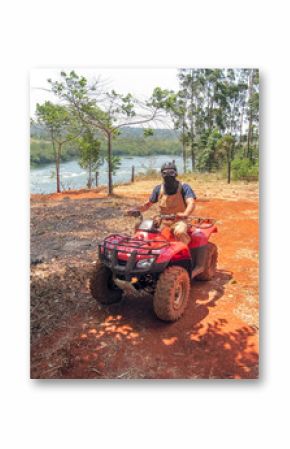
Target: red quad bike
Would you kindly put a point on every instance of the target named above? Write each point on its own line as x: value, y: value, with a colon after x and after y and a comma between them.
x: 153, y: 261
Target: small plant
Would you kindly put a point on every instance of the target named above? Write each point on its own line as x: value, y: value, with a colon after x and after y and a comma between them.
x: 244, y: 169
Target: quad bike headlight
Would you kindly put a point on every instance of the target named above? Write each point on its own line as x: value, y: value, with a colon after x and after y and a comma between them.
x: 145, y: 263
x: 109, y: 254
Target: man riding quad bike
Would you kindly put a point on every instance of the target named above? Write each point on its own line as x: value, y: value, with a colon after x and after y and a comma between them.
x: 164, y: 254
x: 173, y: 198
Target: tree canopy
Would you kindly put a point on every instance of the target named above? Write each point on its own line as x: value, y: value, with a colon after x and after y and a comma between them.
x: 215, y: 114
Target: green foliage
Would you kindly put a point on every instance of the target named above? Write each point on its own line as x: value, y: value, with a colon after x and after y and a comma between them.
x: 56, y: 119
x: 215, y: 115
x: 225, y: 146
x: 90, y: 158
x: 41, y: 152
x: 61, y: 128
x: 245, y: 169
x: 208, y: 156
x: 115, y: 163
x: 89, y: 151
x: 148, y: 132
x: 59, y: 124
x: 107, y: 112
x: 162, y: 99
x: 146, y: 147
x: 130, y: 142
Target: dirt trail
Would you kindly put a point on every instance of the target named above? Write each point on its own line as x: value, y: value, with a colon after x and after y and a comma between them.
x: 73, y: 337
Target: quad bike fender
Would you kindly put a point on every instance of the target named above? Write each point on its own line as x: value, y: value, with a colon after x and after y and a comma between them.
x: 200, y: 237
x: 174, y: 252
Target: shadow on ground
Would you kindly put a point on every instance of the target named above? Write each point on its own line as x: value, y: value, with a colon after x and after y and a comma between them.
x: 126, y: 340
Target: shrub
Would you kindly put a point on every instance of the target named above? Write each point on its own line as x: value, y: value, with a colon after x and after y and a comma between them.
x: 245, y: 169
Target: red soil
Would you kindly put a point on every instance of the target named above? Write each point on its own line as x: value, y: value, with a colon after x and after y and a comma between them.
x: 216, y: 338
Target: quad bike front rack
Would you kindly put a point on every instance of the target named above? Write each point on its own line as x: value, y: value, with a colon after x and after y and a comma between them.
x: 115, y: 244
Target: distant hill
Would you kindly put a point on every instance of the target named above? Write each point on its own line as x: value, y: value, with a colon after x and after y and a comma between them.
x: 131, y: 142
x: 39, y: 132
x: 159, y: 133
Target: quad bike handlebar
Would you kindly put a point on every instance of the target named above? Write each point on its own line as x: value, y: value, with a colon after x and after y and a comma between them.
x: 133, y: 213
x: 199, y: 222
x: 137, y: 213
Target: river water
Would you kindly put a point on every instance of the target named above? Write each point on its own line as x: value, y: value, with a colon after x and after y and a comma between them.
x: 42, y: 179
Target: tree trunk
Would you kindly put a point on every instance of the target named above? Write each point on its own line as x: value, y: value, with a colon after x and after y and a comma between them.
x: 90, y: 176
x: 133, y: 174
x: 241, y: 133
x: 250, y: 133
x: 241, y: 126
x: 97, y: 178
x: 229, y: 164
x: 211, y: 107
x: 192, y: 130
x: 250, y: 129
x: 192, y: 144
x: 110, y: 181
x: 183, y: 147
x: 184, y: 156
x: 57, y: 167
x: 208, y: 105
x: 192, y: 156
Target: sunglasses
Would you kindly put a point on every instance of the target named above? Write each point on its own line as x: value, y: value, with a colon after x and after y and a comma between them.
x: 170, y: 172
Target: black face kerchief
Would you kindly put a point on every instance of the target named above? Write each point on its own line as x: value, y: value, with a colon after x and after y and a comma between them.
x: 170, y: 184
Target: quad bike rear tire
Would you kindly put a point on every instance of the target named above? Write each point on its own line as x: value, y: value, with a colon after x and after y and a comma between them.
x: 210, y: 263
x: 172, y: 293
x: 102, y: 286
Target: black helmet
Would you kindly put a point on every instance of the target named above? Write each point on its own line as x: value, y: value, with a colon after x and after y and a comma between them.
x: 170, y: 168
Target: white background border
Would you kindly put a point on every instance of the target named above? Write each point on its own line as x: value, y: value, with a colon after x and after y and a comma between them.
x: 221, y: 414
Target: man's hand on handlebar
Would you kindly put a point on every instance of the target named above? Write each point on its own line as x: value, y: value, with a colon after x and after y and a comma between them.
x: 181, y: 215
x: 133, y: 212
x: 136, y: 212
x: 167, y: 216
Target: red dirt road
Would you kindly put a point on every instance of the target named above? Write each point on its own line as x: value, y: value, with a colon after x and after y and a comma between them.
x: 73, y: 337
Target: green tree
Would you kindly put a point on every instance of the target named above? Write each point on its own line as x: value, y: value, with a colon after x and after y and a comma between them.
x: 208, y: 156
x: 178, y: 112
x: 105, y: 111
x: 90, y: 158
x: 225, y: 145
x: 115, y: 163
x: 61, y: 129
x: 242, y: 77
x: 252, y: 110
x: 174, y: 104
x: 190, y: 90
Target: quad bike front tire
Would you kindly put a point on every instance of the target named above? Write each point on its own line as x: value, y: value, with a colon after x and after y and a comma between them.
x: 102, y: 286
x: 210, y: 263
x: 172, y: 293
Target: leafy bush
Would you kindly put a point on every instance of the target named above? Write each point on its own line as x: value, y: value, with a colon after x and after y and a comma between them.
x: 245, y: 169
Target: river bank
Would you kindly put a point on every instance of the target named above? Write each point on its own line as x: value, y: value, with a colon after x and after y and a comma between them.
x: 205, y: 186
x: 42, y: 179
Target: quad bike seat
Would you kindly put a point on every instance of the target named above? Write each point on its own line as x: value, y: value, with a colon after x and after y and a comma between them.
x: 206, y: 226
